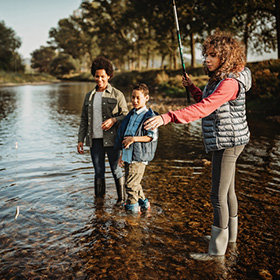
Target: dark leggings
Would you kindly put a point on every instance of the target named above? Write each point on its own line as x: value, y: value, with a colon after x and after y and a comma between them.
x: 223, y: 195
x: 98, y: 158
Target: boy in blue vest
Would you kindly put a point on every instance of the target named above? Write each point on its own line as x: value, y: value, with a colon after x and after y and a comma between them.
x: 138, y: 147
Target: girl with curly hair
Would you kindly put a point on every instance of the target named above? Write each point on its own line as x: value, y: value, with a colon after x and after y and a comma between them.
x: 221, y: 105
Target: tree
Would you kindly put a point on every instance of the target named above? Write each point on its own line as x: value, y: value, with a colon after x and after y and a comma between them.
x: 156, y: 29
x: 255, y: 21
x: 193, y: 22
x: 61, y: 65
x: 41, y: 59
x: 106, y: 22
x: 252, y: 20
x: 133, y: 32
x: 69, y: 38
x: 10, y: 60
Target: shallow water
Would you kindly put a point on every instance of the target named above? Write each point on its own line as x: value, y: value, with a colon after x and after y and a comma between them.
x: 62, y: 232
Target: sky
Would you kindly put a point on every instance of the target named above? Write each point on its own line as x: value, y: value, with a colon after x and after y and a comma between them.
x: 32, y: 19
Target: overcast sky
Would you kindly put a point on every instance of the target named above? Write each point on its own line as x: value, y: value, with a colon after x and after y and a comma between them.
x: 32, y: 20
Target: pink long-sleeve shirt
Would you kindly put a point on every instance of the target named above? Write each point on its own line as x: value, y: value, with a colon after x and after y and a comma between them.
x: 227, y: 90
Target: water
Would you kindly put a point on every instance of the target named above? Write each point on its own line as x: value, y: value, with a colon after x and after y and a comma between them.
x: 62, y: 232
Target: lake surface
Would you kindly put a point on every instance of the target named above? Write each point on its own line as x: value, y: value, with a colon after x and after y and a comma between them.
x: 51, y: 226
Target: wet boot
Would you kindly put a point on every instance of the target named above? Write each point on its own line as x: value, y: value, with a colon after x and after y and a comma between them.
x: 217, y: 246
x: 120, y: 190
x: 133, y: 208
x: 232, y: 229
x: 144, y: 204
x: 99, y: 187
x: 218, y: 242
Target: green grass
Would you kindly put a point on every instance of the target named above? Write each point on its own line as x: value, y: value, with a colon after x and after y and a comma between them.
x: 18, y: 78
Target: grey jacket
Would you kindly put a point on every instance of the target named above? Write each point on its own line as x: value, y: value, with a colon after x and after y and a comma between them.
x: 113, y: 106
x: 227, y: 126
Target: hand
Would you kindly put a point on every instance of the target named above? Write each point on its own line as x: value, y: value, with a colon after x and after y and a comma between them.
x: 186, y: 81
x: 121, y: 162
x: 80, y: 148
x: 128, y: 140
x: 106, y: 125
x: 153, y: 123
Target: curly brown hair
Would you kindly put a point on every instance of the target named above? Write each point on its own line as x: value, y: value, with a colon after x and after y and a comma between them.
x: 102, y: 63
x: 230, y: 51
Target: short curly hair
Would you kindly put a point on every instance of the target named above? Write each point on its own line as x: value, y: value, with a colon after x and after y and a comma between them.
x: 102, y: 63
x: 230, y: 51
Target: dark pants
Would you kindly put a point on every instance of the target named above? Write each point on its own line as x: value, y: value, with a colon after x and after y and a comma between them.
x: 223, y: 195
x: 98, y: 158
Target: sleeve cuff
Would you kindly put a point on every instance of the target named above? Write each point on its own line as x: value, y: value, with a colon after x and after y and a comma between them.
x: 153, y: 134
x: 166, y: 118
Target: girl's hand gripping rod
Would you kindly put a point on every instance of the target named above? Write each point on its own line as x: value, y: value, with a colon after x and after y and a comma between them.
x: 180, y: 47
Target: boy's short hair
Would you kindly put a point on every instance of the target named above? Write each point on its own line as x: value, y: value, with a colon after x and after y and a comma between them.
x: 142, y: 87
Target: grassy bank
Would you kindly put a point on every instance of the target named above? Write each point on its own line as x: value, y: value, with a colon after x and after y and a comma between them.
x: 7, y: 78
x: 264, y: 96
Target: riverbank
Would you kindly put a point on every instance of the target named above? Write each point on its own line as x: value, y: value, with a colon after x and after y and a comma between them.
x: 263, y: 98
x: 28, y: 83
x: 17, y: 78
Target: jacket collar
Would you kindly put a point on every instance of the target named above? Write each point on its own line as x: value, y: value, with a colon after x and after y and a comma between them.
x: 139, y: 111
x: 108, y: 89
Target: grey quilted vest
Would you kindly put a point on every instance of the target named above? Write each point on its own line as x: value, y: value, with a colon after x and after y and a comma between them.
x: 227, y: 126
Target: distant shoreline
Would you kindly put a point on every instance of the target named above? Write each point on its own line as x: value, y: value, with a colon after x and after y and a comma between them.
x: 29, y: 83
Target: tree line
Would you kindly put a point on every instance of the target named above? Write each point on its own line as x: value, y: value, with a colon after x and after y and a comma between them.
x: 10, y: 59
x: 137, y: 35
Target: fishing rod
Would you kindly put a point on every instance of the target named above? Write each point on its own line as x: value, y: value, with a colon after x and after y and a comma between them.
x: 180, y: 47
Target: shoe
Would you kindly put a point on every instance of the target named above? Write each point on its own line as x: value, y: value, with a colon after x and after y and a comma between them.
x: 133, y: 208
x: 144, y: 204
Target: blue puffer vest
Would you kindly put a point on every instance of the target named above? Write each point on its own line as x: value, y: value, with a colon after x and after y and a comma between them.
x: 141, y: 151
x: 227, y: 126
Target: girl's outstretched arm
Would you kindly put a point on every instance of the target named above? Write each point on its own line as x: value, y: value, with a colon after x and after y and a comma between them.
x: 153, y: 123
x: 226, y: 91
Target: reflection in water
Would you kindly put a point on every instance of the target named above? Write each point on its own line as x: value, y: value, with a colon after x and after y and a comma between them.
x: 62, y: 230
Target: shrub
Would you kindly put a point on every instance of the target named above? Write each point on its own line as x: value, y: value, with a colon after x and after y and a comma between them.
x: 265, y: 93
x: 265, y: 84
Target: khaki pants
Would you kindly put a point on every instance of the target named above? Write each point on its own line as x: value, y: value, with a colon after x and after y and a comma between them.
x: 133, y: 176
x: 223, y: 195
